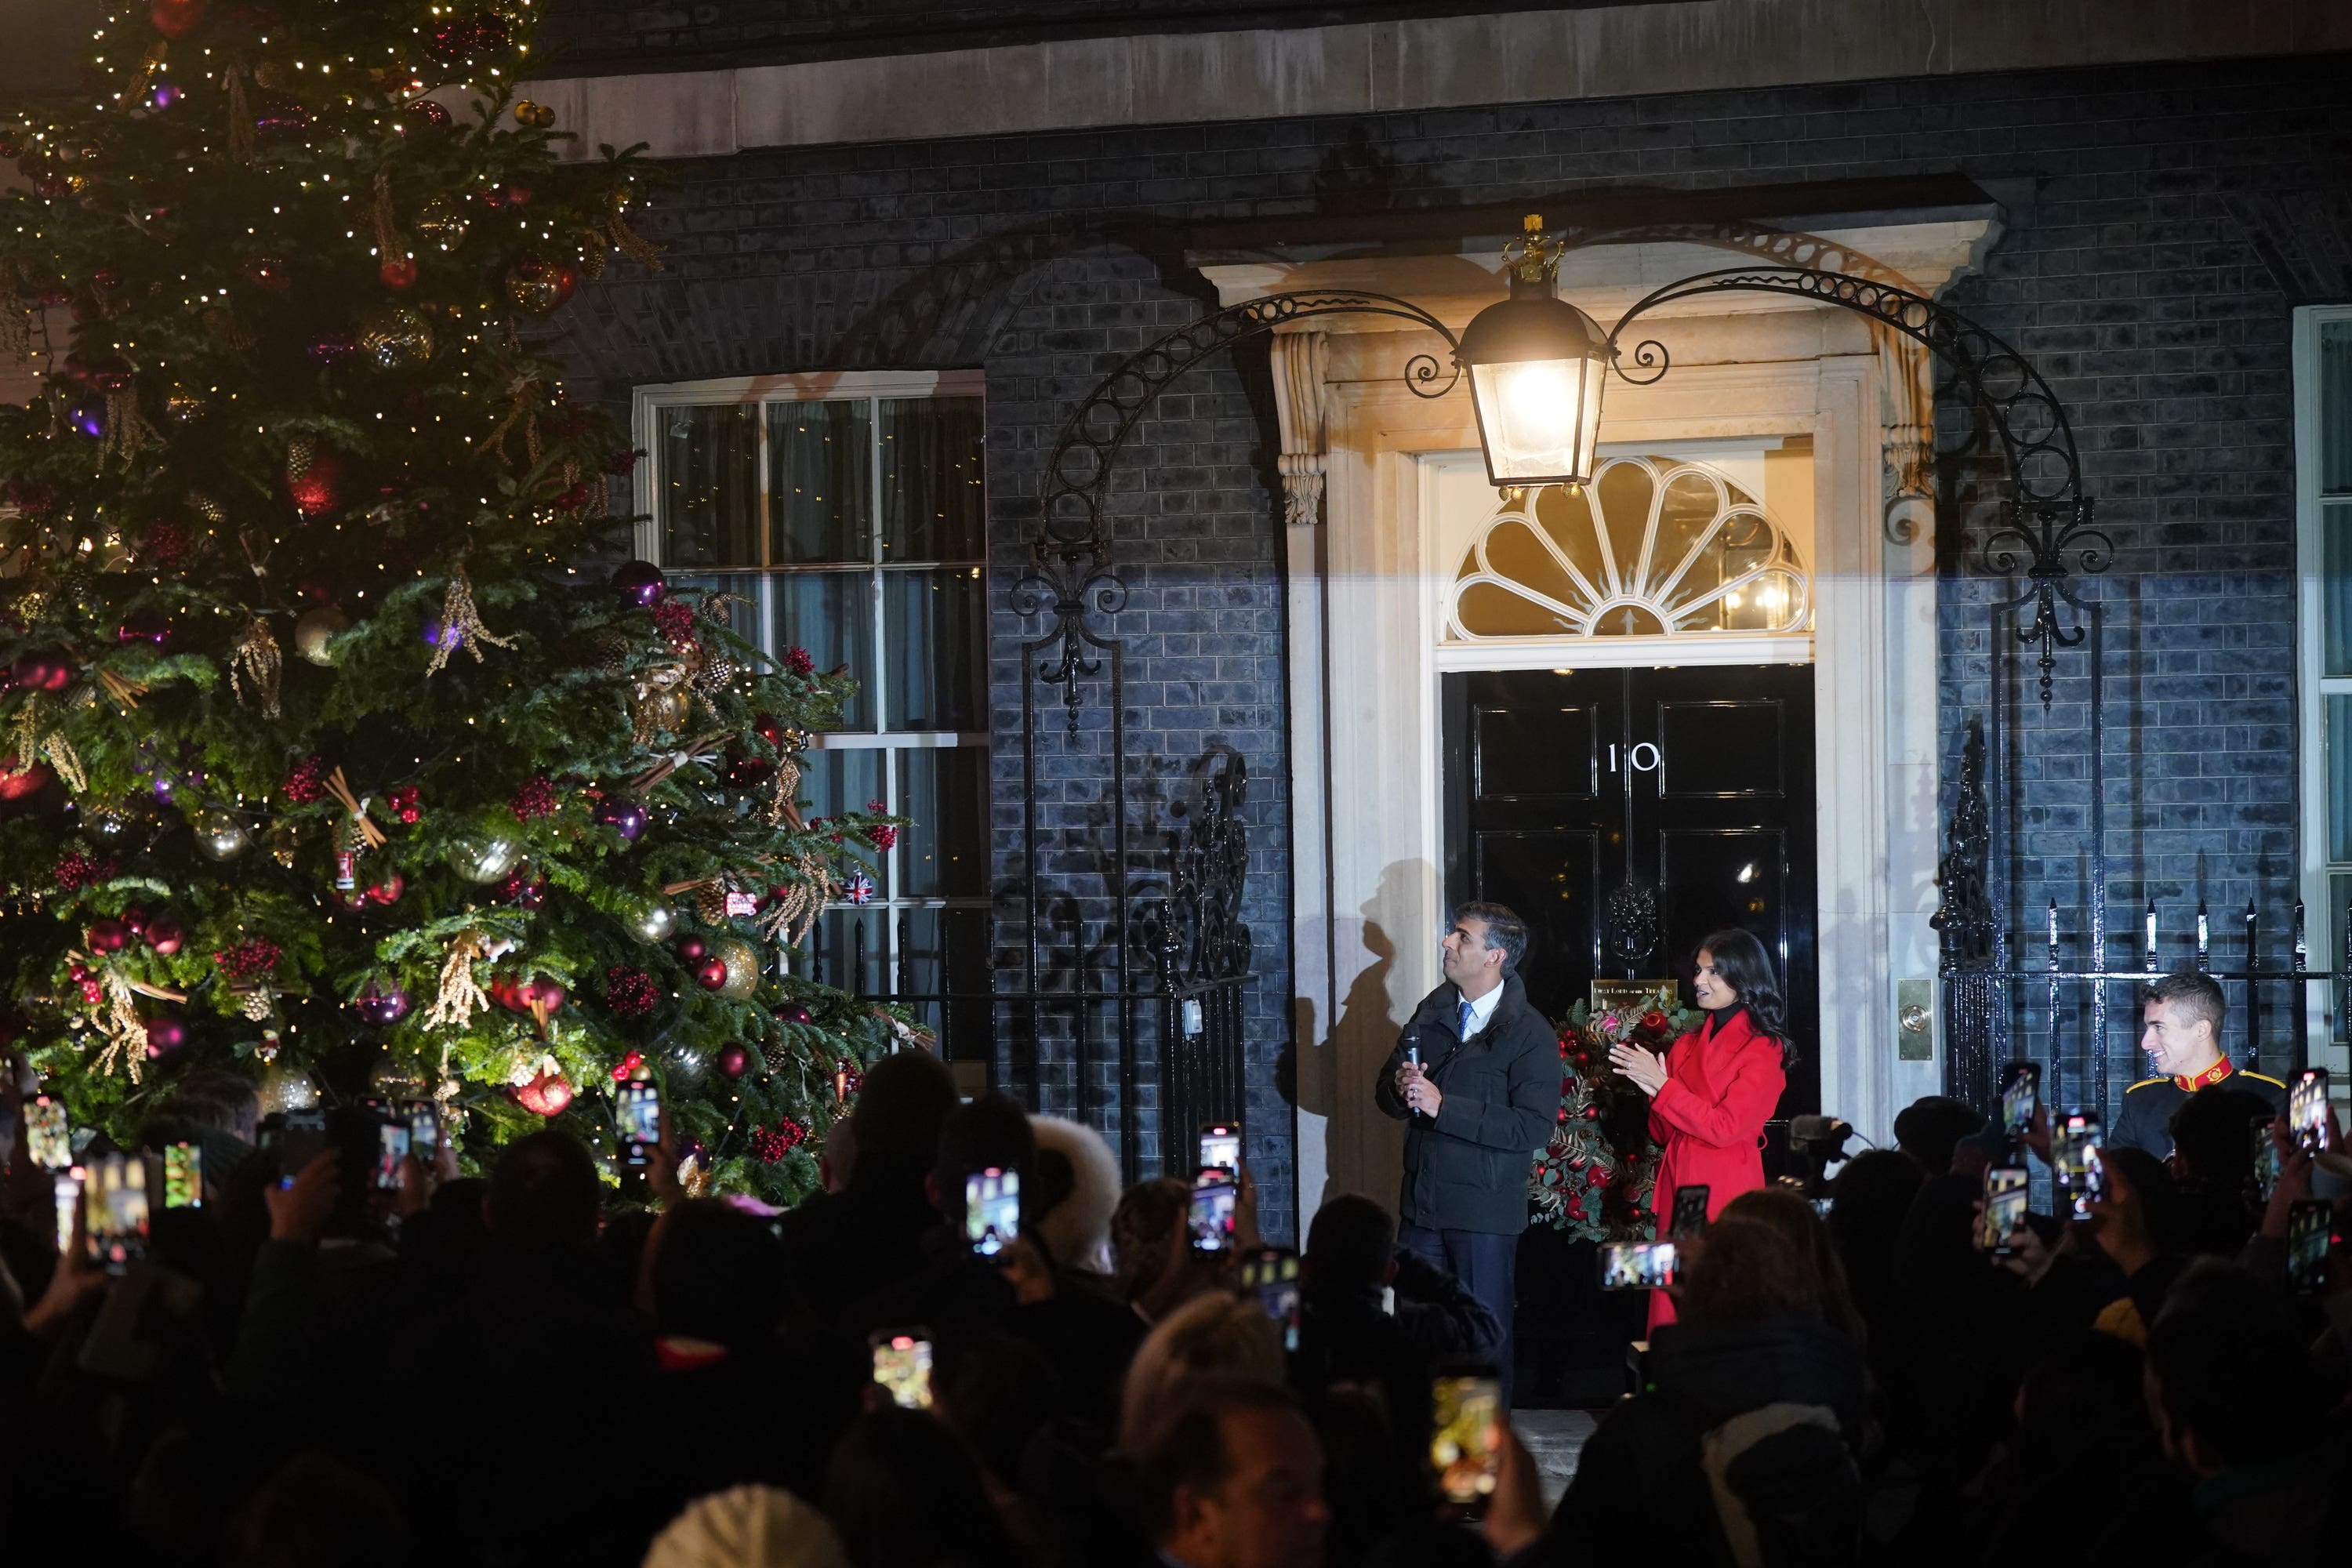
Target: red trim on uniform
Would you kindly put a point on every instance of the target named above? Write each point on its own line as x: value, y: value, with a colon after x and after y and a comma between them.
x: 2205, y: 1079
x: 676, y: 1354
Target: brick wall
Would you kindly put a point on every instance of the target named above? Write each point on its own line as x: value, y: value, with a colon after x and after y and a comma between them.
x: 2176, y: 213
x: 622, y: 32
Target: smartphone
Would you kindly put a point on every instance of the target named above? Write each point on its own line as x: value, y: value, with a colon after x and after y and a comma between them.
x: 1637, y: 1265
x: 117, y: 1215
x: 47, y: 1137
x: 1689, y: 1213
x: 2309, y: 1224
x: 300, y: 1139
x: 2020, y: 1096
x: 2078, y: 1168
x: 425, y: 1130
x: 1271, y: 1274
x: 991, y: 1209
x: 1214, y: 1192
x: 391, y: 1149
x: 2267, y: 1157
x: 1221, y: 1146
x: 66, y: 1189
x: 2004, y: 1208
x: 902, y: 1365
x: 2306, y: 1109
x: 640, y: 1116
x: 1464, y: 1447
x: 184, y: 1176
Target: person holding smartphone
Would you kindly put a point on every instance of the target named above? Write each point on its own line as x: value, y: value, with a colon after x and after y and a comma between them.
x: 2182, y: 1036
x: 1713, y: 1090
x: 1475, y: 1079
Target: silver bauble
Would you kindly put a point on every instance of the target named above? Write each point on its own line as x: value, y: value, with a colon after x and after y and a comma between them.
x: 221, y: 834
x: 653, y: 923
x: 287, y: 1088
x: 311, y: 632
x: 482, y: 858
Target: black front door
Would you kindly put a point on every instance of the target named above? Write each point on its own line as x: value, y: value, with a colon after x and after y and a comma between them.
x: 1569, y: 796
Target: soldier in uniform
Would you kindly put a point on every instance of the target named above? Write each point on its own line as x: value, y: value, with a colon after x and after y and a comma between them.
x: 2183, y: 1040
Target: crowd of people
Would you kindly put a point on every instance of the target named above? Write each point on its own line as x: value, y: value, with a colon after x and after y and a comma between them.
x: 308, y: 1370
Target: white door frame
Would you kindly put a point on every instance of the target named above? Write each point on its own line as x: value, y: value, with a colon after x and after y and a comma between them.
x: 1365, y: 735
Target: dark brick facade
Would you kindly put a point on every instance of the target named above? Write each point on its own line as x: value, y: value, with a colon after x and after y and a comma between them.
x: 2175, y: 215
x: 624, y: 35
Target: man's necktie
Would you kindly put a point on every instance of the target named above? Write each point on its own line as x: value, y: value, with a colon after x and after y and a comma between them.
x: 1463, y: 1028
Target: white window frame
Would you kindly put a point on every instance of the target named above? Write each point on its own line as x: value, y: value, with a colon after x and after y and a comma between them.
x: 2311, y: 690
x: 648, y: 403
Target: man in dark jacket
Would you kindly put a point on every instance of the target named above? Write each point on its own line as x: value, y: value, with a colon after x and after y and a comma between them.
x: 1476, y: 1076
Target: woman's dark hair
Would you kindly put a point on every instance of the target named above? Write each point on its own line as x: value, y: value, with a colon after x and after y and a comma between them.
x: 1740, y: 959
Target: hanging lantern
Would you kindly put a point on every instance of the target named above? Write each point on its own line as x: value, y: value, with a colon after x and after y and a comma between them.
x: 1535, y: 365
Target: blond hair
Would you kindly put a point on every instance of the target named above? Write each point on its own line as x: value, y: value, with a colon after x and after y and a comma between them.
x: 1214, y: 1334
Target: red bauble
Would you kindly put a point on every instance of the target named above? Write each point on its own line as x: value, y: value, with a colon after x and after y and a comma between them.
x: 398, y: 273
x: 546, y: 1095
x: 794, y: 1013
x: 267, y: 272
x: 17, y: 783
x: 317, y: 490
x: 388, y: 890
x: 108, y: 936
x: 690, y: 949
x: 764, y: 725
x: 176, y: 19
x: 166, y: 935
x: 135, y: 920
x: 165, y: 1034
x: 710, y: 974
x: 44, y: 670
x: 733, y: 1061
x: 548, y: 994
x: 520, y: 196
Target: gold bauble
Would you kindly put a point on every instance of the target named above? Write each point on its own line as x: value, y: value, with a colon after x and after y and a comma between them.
x: 397, y: 339
x: 285, y: 840
x: 442, y: 223
x: 311, y: 632
x: 662, y: 707
x: 396, y: 1078
x: 743, y: 962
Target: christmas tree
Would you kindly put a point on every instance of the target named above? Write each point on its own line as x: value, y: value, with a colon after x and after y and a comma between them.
x: 335, y: 749
x: 1593, y: 1180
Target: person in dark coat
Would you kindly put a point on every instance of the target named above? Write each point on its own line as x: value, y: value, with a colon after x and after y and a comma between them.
x: 1476, y: 1077
x: 1750, y: 1411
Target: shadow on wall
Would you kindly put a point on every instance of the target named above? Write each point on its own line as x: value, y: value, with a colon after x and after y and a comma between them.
x: 1364, y: 1150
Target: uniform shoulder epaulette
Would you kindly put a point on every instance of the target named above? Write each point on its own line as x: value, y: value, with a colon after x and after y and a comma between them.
x: 2260, y: 1077
x: 2145, y: 1082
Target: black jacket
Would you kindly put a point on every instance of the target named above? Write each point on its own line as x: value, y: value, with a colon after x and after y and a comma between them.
x: 1641, y: 1493
x: 1467, y: 1169
x: 2145, y: 1121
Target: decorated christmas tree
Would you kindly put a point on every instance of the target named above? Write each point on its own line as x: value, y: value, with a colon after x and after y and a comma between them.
x: 1593, y: 1180
x: 335, y: 748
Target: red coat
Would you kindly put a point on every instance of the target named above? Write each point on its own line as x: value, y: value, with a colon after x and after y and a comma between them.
x: 1722, y: 1084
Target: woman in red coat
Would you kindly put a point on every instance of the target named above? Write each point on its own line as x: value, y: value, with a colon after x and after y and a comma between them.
x: 1714, y: 1089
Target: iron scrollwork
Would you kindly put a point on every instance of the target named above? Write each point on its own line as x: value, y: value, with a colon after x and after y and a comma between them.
x: 1196, y: 933
x: 2045, y: 472
x: 1070, y: 558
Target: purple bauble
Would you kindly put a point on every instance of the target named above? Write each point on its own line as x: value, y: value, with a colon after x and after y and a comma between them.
x: 624, y: 816
x: 165, y: 1034
x: 436, y: 636
x: 641, y: 583
x: 381, y: 1004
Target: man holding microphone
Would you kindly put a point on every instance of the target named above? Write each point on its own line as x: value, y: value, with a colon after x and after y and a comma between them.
x: 1476, y: 1077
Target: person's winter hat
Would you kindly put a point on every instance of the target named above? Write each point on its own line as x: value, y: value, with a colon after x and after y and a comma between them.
x: 748, y: 1527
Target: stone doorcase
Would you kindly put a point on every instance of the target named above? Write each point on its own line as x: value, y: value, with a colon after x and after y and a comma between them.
x: 1376, y: 489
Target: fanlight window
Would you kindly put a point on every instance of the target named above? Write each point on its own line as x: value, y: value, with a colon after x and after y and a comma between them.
x: 1654, y: 546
